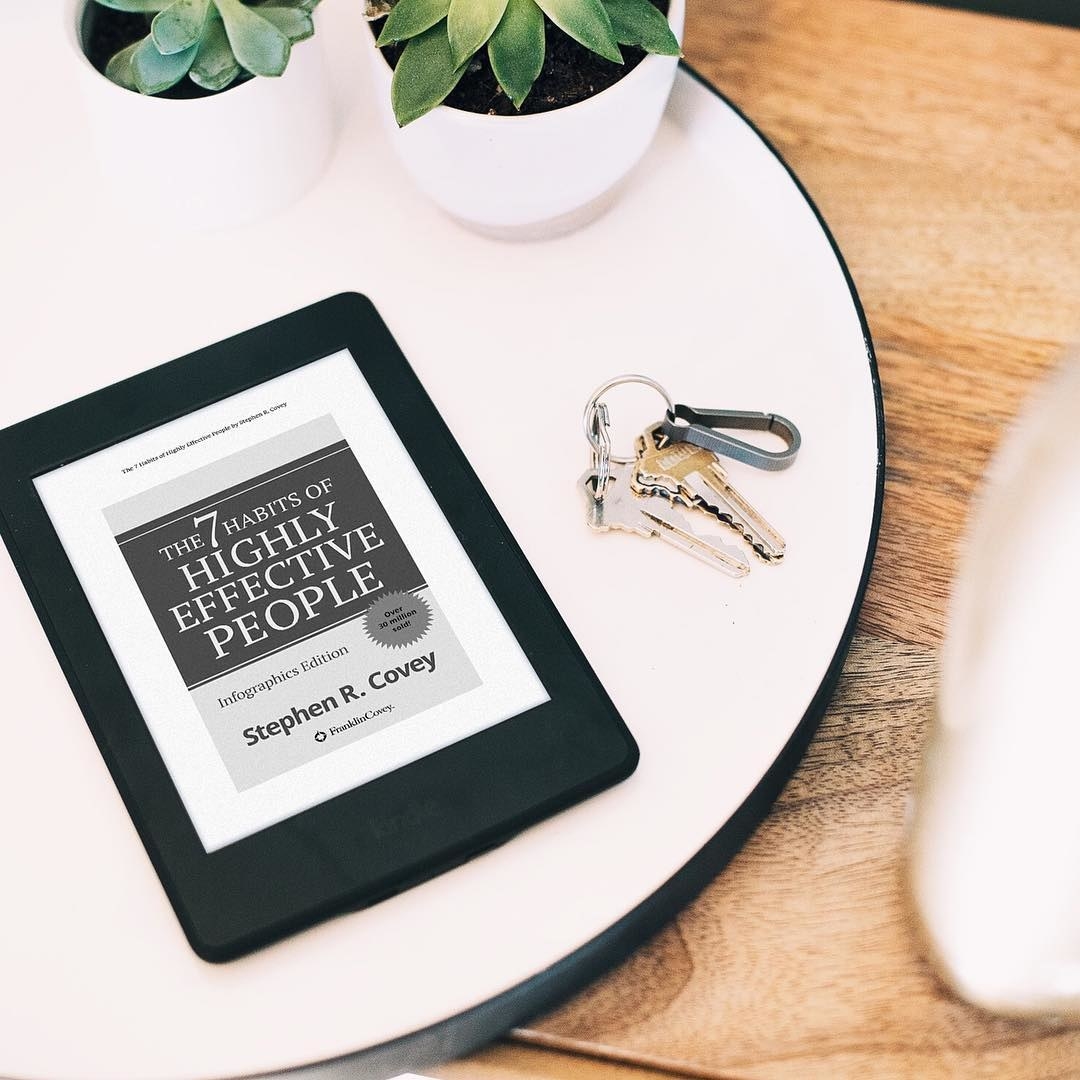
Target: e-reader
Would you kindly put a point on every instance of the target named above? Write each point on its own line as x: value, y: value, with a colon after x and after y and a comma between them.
x: 315, y: 661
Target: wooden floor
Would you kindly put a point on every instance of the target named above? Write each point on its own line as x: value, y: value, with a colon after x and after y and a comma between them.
x: 944, y: 150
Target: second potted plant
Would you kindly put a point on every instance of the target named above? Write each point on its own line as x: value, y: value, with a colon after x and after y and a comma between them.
x: 520, y: 117
x: 215, y: 110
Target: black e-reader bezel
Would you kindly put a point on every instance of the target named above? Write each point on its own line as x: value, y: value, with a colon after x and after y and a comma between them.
x: 394, y: 831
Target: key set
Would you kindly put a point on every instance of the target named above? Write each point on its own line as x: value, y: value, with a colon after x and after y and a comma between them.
x: 676, y: 480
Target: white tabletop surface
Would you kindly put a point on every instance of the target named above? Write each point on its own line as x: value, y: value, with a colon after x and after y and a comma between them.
x: 711, y: 274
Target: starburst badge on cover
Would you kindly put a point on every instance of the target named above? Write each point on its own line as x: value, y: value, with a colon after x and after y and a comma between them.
x: 398, y: 619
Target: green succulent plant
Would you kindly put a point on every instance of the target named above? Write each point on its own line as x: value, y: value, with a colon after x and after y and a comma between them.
x: 443, y: 36
x: 213, y: 42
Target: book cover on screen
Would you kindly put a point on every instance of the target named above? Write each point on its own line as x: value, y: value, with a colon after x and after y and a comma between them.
x: 289, y: 602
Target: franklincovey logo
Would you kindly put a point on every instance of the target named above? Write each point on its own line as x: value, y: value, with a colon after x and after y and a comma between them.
x: 299, y: 715
x: 354, y: 721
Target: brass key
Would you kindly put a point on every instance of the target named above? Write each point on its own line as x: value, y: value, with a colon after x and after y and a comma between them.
x: 687, y: 474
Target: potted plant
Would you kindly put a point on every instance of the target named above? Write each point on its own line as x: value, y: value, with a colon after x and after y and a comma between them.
x: 520, y: 117
x: 204, y: 106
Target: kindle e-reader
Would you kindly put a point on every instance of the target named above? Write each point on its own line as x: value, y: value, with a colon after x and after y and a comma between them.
x: 313, y: 657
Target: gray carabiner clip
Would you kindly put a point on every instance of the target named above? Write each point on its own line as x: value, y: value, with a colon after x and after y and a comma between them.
x: 699, y: 427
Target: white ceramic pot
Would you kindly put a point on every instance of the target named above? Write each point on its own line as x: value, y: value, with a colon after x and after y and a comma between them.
x: 539, y: 174
x: 207, y: 162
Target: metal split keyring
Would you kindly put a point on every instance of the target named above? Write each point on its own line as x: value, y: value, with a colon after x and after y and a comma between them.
x: 601, y: 455
x: 589, y: 419
x: 597, y: 425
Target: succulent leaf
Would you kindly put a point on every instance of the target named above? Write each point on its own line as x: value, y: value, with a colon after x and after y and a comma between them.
x: 153, y: 72
x: 118, y: 69
x: 585, y: 21
x: 640, y: 23
x: 424, y: 75
x: 215, y: 84
x: 470, y: 23
x: 141, y: 7
x: 215, y: 67
x: 179, y: 26
x: 411, y: 17
x: 300, y: 5
x: 516, y: 49
x: 295, y: 23
x: 257, y: 43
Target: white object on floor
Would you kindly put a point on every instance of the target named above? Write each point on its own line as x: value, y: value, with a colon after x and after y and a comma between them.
x: 994, y: 865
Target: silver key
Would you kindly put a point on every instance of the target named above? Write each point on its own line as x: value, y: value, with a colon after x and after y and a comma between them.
x: 695, y: 477
x: 651, y: 515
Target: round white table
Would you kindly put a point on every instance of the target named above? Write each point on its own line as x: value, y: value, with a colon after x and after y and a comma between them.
x: 715, y: 275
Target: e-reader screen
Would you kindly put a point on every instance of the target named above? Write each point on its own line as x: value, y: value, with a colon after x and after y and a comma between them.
x: 290, y: 608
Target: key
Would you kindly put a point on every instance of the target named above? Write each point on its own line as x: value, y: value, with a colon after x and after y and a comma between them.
x: 688, y: 474
x: 695, y: 478
x: 653, y: 515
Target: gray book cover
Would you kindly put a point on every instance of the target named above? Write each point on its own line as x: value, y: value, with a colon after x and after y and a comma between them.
x: 289, y: 602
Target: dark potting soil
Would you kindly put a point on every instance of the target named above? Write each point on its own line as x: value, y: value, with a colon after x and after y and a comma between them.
x: 106, y: 31
x: 571, y: 73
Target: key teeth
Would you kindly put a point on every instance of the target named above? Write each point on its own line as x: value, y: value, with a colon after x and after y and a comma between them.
x: 676, y: 503
x: 646, y: 487
x: 756, y: 545
x: 728, y: 560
